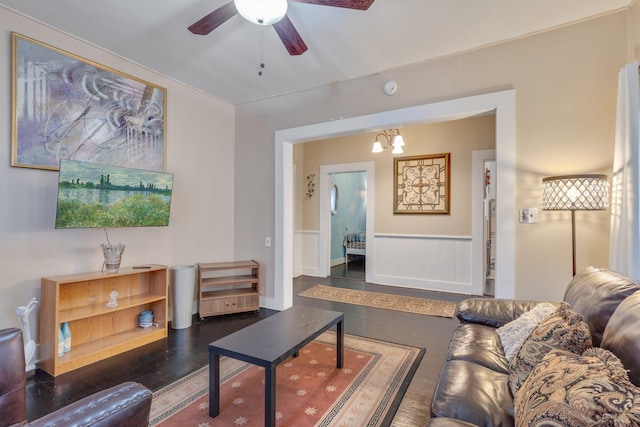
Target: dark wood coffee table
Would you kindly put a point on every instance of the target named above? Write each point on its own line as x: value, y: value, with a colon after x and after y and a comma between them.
x: 269, y: 342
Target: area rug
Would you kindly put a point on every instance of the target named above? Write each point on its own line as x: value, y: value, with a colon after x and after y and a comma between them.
x: 310, y: 390
x: 379, y: 300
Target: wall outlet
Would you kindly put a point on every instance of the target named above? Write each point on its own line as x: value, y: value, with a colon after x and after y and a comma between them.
x: 528, y: 216
x: 267, y: 242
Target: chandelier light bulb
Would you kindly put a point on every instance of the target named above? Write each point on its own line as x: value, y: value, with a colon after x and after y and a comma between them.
x: 262, y: 12
x: 397, y: 149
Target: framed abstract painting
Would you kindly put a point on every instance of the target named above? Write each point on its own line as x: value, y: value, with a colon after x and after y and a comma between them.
x: 67, y: 107
x: 421, y: 184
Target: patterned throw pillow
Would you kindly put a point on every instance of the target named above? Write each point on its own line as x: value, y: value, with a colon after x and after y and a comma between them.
x: 563, y: 330
x: 513, y: 334
x: 571, y: 390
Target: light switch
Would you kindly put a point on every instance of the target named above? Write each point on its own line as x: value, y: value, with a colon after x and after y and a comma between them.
x: 528, y: 215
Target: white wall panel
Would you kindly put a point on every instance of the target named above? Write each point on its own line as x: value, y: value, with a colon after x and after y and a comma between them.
x: 306, y: 253
x: 441, y: 263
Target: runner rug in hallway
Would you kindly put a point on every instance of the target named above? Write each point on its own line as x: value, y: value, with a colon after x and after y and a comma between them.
x: 310, y: 390
x: 424, y: 306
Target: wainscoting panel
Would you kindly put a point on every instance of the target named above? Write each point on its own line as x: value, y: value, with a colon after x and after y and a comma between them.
x: 305, y: 250
x: 441, y: 263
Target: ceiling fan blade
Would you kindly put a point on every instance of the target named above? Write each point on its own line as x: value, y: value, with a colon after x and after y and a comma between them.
x: 213, y: 20
x: 348, y: 4
x: 290, y: 36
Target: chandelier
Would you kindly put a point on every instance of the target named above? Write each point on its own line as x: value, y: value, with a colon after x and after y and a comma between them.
x: 391, y: 138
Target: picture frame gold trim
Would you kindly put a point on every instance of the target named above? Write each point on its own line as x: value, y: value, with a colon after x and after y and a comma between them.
x: 421, y: 184
x: 64, y: 106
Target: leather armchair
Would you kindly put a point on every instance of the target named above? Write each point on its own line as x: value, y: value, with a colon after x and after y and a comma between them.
x: 125, y: 405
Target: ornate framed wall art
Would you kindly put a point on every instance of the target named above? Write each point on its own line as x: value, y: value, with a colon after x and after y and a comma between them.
x: 67, y: 107
x: 421, y: 184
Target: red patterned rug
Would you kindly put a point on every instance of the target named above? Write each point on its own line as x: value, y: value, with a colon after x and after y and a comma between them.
x: 310, y: 390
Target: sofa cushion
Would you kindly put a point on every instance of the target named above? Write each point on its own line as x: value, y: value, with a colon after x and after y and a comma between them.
x: 513, y: 334
x: 563, y: 330
x: 622, y: 335
x: 596, y: 293
x: 492, y: 311
x: 572, y: 390
x: 476, y: 394
x: 478, y: 344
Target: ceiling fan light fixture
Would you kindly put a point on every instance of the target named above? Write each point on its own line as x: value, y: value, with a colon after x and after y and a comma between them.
x: 262, y: 12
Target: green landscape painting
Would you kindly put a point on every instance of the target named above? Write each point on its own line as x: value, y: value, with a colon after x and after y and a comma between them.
x: 94, y: 195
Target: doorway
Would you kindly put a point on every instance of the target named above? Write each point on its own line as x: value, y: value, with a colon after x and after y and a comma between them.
x: 348, y: 220
x: 366, y: 171
x: 501, y: 103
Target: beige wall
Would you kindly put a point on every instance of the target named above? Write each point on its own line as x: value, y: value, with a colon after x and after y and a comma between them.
x: 459, y: 137
x: 633, y: 51
x: 199, y: 153
x: 565, y: 82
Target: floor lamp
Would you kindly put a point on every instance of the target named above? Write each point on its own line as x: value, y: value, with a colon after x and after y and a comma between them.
x: 575, y: 193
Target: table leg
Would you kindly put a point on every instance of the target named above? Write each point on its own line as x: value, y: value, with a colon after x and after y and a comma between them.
x: 214, y: 384
x: 270, y: 396
x: 340, y: 346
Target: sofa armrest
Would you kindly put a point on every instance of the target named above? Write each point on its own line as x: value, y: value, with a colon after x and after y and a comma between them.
x: 127, y: 404
x: 492, y: 312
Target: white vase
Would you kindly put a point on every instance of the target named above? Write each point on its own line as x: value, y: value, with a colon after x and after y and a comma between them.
x: 182, y: 282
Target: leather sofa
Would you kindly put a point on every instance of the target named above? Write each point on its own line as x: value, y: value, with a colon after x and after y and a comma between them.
x: 473, y: 388
x: 125, y: 405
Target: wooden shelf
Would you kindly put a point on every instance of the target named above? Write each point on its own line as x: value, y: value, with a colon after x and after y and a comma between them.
x: 231, y: 265
x: 97, y: 310
x: 91, y: 352
x: 230, y: 280
x: 228, y: 293
x: 98, y: 331
x: 228, y: 287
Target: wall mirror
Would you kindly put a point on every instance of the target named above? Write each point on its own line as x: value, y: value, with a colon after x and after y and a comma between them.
x: 335, y: 197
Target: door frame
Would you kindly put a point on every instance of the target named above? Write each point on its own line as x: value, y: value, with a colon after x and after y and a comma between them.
x: 477, y: 219
x: 324, y: 215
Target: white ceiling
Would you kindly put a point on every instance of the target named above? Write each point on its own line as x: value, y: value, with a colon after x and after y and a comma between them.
x: 343, y: 44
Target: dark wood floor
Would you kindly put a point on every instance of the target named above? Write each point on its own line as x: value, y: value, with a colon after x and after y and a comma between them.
x: 354, y: 269
x: 158, y: 364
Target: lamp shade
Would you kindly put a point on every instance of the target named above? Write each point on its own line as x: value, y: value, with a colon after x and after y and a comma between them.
x: 377, y: 147
x: 398, y: 141
x: 575, y: 192
x: 262, y: 12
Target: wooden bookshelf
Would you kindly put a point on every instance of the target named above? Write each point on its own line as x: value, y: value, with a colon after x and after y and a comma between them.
x: 228, y: 287
x: 98, y: 331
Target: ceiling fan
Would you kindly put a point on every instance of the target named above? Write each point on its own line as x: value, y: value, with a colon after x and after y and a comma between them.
x: 254, y: 11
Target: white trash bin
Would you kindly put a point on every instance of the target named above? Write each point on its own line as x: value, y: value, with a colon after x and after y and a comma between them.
x: 182, y: 281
